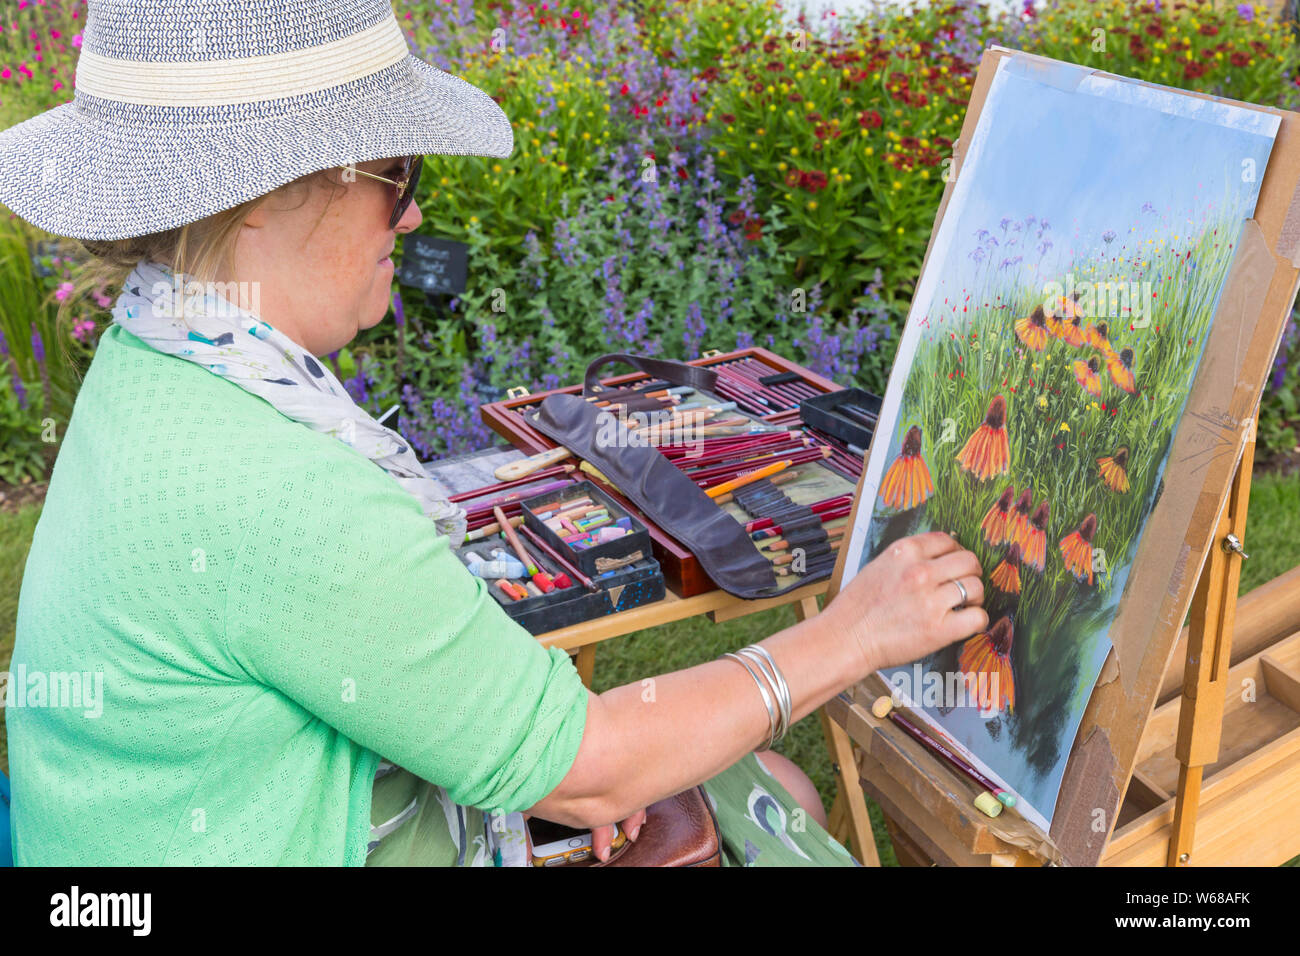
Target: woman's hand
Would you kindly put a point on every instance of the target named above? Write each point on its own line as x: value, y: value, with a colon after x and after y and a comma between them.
x: 903, y: 604
x: 602, y: 837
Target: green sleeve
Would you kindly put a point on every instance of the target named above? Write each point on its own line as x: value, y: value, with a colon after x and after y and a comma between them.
x: 345, y: 599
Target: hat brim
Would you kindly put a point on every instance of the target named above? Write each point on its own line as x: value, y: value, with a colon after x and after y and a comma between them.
x: 74, y: 173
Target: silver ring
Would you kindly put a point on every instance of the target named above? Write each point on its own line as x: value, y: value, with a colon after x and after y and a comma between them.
x: 964, y: 596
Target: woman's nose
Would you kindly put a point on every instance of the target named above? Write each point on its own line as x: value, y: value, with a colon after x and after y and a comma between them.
x: 411, y: 219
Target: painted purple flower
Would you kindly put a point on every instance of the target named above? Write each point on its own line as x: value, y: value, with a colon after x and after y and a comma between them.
x: 1108, y: 236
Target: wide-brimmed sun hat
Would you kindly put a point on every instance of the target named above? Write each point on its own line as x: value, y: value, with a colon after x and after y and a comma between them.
x: 184, y: 108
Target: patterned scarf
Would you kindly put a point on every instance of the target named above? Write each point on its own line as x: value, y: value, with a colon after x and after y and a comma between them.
x: 213, y: 332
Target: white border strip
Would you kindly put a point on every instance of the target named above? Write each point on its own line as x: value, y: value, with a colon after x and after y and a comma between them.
x: 244, y: 79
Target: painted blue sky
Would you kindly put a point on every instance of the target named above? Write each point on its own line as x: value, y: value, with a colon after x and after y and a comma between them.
x: 1102, y: 159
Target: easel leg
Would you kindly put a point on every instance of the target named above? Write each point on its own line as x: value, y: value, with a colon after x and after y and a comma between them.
x: 1209, y: 652
x: 850, y: 808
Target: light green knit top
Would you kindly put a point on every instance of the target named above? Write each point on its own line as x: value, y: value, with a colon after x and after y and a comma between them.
x: 267, y: 612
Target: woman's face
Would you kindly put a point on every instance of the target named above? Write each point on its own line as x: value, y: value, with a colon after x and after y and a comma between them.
x: 324, y: 265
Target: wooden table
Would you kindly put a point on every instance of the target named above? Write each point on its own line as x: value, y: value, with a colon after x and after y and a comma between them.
x: 848, y: 818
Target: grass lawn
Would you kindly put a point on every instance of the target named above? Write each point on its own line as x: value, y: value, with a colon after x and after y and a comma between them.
x: 1273, y: 544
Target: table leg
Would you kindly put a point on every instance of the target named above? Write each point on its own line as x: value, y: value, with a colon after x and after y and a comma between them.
x: 849, y: 811
x: 585, y: 662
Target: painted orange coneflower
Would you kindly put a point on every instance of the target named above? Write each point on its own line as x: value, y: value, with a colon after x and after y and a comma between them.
x: 907, y: 482
x: 987, y: 452
x: 990, y: 653
x: 1076, y: 549
x: 1033, y: 542
x: 997, y: 519
x: 1019, y: 523
x: 1086, y: 373
x: 1072, y: 332
x: 1121, y: 370
x: 1032, y: 329
x: 1099, y: 338
x: 1114, y: 470
x: 1006, y: 576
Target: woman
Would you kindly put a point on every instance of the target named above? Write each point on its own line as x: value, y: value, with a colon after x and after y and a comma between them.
x: 276, y: 623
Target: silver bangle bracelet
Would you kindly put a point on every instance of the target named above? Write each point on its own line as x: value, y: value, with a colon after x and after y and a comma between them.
x: 772, y: 717
x: 767, y: 664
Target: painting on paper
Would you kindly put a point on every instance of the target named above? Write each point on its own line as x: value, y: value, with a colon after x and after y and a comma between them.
x: 1046, y: 362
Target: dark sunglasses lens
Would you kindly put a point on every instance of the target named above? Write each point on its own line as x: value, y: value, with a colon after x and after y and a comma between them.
x: 404, y: 200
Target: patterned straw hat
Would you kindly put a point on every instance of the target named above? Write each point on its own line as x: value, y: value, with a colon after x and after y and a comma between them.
x: 184, y: 108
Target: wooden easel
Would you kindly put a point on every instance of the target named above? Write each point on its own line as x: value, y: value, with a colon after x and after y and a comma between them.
x: 1209, y: 650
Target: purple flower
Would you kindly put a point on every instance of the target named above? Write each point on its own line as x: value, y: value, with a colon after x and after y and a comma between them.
x: 1246, y: 11
x: 399, y: 312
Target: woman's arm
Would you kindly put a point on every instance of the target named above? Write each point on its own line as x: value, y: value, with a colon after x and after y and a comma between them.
x: 649, y: 740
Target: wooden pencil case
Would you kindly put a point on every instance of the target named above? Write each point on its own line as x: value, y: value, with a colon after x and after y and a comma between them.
x: 681, y: 569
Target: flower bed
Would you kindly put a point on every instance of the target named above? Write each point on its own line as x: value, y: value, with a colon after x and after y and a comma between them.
x: 690, y: 176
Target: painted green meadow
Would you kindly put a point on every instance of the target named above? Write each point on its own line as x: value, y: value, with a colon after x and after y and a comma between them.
x: 968, y: 353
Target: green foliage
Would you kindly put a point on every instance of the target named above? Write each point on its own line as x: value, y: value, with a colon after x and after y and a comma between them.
x: 22, y: 452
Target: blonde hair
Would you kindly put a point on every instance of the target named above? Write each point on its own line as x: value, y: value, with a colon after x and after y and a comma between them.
x: 197, y: 250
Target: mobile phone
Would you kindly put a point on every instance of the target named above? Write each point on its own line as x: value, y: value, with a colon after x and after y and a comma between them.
x: 555, y: 844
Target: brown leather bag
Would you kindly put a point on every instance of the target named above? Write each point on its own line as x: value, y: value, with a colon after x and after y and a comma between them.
x: 678, y: 831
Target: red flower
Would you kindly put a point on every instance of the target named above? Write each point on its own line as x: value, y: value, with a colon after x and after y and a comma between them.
x: 1155, y: 30
x: 813, y: 181
x: 1194, y: 70
x: 909, y: 142
x: 1238, y: 59
x: 754, y: 230
x: 727, y: 117
x: 681, y: 172
x: 624, y: 90
x: 1209, y: 30
x: 775, y: 66
x: 869, y: 119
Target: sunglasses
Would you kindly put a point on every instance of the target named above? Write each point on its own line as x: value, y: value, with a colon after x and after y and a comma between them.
x: 405, y: 186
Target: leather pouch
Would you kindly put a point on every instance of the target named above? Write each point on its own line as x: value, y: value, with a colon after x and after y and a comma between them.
x: 678, y: 831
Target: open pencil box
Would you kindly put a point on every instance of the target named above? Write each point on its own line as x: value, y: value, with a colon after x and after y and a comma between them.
x: 824, y: 412
x: 632, y: 585
x: 576, y: 539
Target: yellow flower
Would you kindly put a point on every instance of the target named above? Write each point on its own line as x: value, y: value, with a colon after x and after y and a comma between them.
x: 812, y: 203
x: 473, y: 218
x: 1064, y: 427
x: 1042, y: 399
